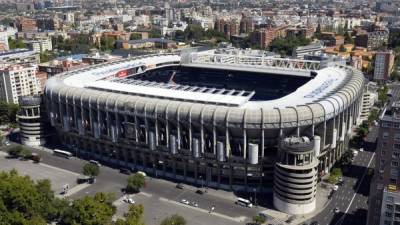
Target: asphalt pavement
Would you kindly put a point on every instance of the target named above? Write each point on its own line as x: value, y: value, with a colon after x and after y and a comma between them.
x: 352, y: 196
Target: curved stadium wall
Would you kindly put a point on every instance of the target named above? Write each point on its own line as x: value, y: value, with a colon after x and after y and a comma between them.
x: 226, y: 142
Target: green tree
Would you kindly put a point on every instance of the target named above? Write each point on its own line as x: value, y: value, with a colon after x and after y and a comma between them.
x: 135, y: 36
x: 134, y: 216
x: 89, y: 211
x: 107, y: 43
x: 174, y: 220
x: 363, y: 129
x: 22, y: 201
x: 285, y: 46
x: 348, y: 39
x: 134, y: 183
x: 18, y: 43
x: 90, y: 169
x: 15, y: 151
x: 334, y: 175
x: 258, y: 219
x: 382, y: 95
x: 8, y: 112
x: 373, y: 116
x: 154, y: 33
x: 342, y: 48
x: 317, y: 33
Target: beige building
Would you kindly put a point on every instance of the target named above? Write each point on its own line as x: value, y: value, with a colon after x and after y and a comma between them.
x: 16, y: 81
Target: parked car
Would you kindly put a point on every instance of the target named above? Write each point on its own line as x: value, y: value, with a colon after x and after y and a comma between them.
x: 125, y: 171
x: 95, y: 162
x: 141, y: 173
x: 335, y: 187
x: 184, y: 201
x: 179, y: 186
x: 129, y: 200
x: 200, y: 192
x: 336, y: 210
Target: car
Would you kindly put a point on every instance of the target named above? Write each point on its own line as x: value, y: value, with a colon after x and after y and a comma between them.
x: 336, y: 210
x: 355, y: 152
x: 361, y: 149
x: 195, y: 204
x: 200, y: 192
x: 314, y: 223
x: 184, y: 201
x: 335, y: 187
x: 7, y: 143
x: 95, y: 162
x: 141, y: 173
x: 129, y: 200
x: 179, y: 186
x: 125, y: 171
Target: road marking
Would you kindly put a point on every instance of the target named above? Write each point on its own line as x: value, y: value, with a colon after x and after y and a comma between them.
x: 239, y: 219
x: 340, y: 221
x: 145, y: 194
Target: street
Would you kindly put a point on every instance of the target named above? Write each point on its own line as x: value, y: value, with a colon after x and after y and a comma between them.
x: 352, y: 196
x: 161, y: 191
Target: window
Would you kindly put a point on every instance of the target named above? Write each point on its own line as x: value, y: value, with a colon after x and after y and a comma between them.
x: 383, y: 152
x: 395, y: 163
x: 396, y: 155
x: 393, y: 180
x: 396, y: 146
x: 396, y: 137
x: 388, y: 214
x: 389, y: 199
x: 385, y: 135
x: 397, y: 207
x: 387, y: 222
x: 386, y: 124
x: 389, y: 207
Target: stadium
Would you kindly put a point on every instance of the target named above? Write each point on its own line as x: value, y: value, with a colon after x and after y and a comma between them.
x: 229, y: 121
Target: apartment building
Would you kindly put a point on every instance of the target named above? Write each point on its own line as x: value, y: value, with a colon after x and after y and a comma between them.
x: 384, y: 199
x: 16, y: 81
x: 384, y: 62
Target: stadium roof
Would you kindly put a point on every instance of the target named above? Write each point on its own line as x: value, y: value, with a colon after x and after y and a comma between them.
x: 102, y: 77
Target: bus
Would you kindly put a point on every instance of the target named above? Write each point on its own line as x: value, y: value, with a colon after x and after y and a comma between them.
x: 62, y: 153
x: 244, y: 202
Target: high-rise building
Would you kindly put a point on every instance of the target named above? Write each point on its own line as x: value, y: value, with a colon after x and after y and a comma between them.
x: 16, y: 81
x: 384, y: 199
x: 384, y: 62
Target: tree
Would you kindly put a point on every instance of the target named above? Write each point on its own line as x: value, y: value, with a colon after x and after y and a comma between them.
x: 15, y: 151
x: 334, y: 175
x: 174, y: 220
x: 134, y: 216
x: 285, y: 46
x: 135, y: 36
x: 134, y: 183
x: 258, y: 219
x: 363, y: 129
x: 373, y: 116
x: 90, y: 169
x: 107, y: 43
x: 8, y: 112
x: 348, y: 39
x: 23, y: 201
x: 154, y: 34
x: 18, y: 43
x: 342, y: 48
x: 382, y: 95
x: 317, y: 33
x: 89, y: 211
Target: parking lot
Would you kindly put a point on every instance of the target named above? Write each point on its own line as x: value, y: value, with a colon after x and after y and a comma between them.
x: 57, y: 176
x: 157, y: 208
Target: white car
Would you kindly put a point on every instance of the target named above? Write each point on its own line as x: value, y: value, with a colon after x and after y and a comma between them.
x: 361, y: 149
x: 7, y: 143
x: 335, y: 187
x: 129, y: 201
x: 184, y: 201
x: 141, y: 173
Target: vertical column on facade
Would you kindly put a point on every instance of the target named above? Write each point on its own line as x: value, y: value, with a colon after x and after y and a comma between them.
x: 178, y: 127
x: 262, y: 141
x: 136, y: 124
x: 245, y: 146
x: 167, y: 125
x: 146, y: 125
x: 156, y: 130
x: 201, y: 131
x: 214, y: 130
x: 190, y: 129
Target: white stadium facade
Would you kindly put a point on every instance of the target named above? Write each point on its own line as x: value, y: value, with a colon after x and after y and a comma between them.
x: 228, y: 121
